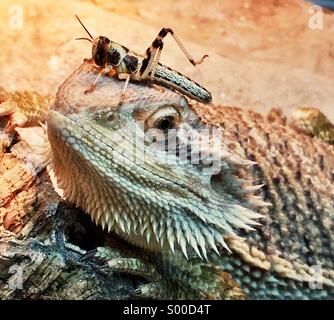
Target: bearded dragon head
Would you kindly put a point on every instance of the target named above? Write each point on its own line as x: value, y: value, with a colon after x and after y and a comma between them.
x: 149, y: 169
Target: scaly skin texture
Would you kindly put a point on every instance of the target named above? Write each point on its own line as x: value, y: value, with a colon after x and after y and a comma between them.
x: 312, y: 121
x: 161, y: 206
x: 271, y: 203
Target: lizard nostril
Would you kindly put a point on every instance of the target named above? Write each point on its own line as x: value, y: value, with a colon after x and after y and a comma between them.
x: 111, y: 116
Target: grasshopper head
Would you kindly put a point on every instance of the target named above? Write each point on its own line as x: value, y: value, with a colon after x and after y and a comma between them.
x: 100, y: 46
x: 100, y: 49
x: 106, y: 52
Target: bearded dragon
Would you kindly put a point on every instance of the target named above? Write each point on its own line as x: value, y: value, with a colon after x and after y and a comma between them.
x: 243, y: 211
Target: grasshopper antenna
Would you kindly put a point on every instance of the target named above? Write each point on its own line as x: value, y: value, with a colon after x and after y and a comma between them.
x: 84, y: 39
x: 84, y: 28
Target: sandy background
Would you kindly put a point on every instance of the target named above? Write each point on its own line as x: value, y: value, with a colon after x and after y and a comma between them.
x: 262, y: 52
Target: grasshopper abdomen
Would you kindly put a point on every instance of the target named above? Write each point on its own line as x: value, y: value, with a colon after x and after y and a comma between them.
x: 179, y: 82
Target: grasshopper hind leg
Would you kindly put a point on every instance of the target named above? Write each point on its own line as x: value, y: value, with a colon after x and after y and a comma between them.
x: 152, y: 54
x: 164, y: 31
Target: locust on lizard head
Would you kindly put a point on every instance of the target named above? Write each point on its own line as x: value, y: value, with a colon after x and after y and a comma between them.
x: 110, y: 56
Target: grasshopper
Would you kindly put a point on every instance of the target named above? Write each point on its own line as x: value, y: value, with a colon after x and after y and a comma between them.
x: 128, y: 65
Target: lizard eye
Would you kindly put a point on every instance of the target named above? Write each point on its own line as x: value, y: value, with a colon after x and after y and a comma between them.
x: 165, y: 123
x: 163, y: 119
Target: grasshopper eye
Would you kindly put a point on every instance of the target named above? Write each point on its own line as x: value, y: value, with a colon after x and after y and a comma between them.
x: 99, y: 58
x: 100, y: 51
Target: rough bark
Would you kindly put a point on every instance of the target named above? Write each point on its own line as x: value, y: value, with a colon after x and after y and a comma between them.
x: 42, y: 238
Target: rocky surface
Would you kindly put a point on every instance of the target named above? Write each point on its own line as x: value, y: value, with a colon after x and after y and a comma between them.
x: 263, y: 53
